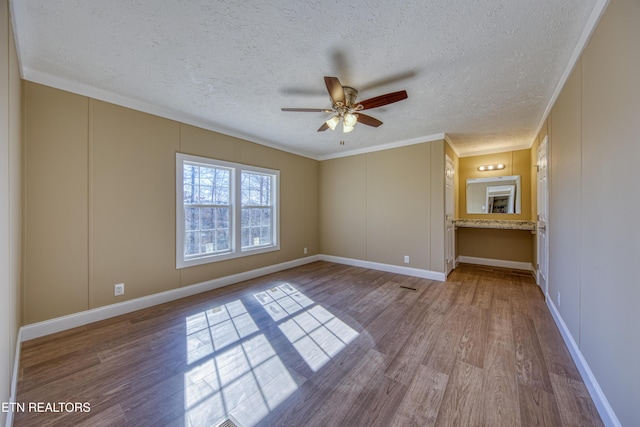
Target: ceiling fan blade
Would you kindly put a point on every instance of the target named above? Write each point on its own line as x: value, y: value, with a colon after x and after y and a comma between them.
x: 368, y: 120
x: 323, y: 127
x: 335, y: 89
x: 381, y: 100
x: 308, y: 110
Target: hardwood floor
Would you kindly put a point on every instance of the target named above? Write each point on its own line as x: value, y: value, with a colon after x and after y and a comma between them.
x: 318, y: 345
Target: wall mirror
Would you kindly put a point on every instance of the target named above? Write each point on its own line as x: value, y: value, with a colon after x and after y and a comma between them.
x: 500, y: 194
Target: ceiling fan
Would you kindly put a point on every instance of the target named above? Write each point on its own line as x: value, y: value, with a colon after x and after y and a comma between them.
x: 346, y: 109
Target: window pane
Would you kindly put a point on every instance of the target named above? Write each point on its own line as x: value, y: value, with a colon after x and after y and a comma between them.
x: 246, y: 217
x: 222, y: 240
x: 206, y: 242
x: 256, y: 227
x: 222, y: 218
x: 191, y: 218
x: 207, y: 219
x: 206, y: 176
x: 256, y: 189
x: 189, y: 192
x: 191, y: 243
x: 265, y: 216
x: 255, y: 236
x: 246, y: 237
x: 255, y: 217
x: 221, y: 195
x: 265, y: 235
x: 190, y: 174
x: 206, y: 185
x: 221, y: 184
x: 206, y: 195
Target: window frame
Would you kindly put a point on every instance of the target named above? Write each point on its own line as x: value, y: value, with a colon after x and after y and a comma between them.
x: 235, y: 217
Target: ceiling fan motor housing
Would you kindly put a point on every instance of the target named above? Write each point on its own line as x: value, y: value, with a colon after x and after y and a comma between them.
x: 350, y: 95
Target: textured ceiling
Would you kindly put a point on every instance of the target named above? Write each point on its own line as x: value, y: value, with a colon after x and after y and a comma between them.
x: 483, y: 71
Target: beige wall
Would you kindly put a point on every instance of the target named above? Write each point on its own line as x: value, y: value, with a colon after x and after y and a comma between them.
x: 384, y: 205
x: 595, y: 205
x: 565, y: 172
x: 10, y: 203
x: 100, y: 198
x: 56, y: 199
x: 503, y: 245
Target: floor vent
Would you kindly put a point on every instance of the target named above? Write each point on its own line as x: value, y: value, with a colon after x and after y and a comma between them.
x: 228, y: 423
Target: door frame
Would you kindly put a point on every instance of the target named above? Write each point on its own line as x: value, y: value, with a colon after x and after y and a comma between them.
x: 542, y: 209
x: 449, y: 199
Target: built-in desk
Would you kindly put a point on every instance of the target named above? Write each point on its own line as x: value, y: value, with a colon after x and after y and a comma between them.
x: 496, y: 242
x: 498, y: 224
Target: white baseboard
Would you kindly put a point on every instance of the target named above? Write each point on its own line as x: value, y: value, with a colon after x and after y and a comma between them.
x: 59, y: 324
x: 605, y: 410
x: 518, y: 265
x: 409, y: 271
x: 8, y: 422
x: 36, y: 330
x: 40, y: 329
x: 47, y: 327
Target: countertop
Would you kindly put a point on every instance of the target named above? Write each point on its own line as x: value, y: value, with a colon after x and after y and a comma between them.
x: 501, y: 224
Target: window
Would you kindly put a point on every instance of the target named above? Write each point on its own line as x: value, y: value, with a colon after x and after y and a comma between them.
x: 223, y: 210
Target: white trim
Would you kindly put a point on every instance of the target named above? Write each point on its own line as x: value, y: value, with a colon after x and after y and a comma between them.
x: 518, y: 265
x: 52, y: 326
x: 416, y: 272
x: 382, y: 147
x: 453, y: 147
x: 235, y: 187
x: 14, y: 379
x: 181, y: 117
x: 59, y: 324
x: 40, y: 329
x: 589, y: 28
x: 145, y: 107
x: 605, y: 410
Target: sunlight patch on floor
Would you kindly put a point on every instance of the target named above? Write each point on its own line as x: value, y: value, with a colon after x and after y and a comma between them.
x: 315, y: 332
x: 234, y: 369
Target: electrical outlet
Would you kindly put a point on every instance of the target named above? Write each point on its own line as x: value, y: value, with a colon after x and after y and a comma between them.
x: 558, y: 298
x: 118, y: 289
x: 406, y: 259
x: 305, y: 251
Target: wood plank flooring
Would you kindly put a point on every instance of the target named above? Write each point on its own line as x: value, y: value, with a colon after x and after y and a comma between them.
x: 319, y: 345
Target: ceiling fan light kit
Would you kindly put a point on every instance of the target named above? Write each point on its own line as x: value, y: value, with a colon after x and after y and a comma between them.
x: 346, y: 109
x: 333, y: 122
x: 350, y: 119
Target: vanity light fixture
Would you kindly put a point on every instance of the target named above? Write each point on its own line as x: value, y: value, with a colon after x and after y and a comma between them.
x: 485, y: 168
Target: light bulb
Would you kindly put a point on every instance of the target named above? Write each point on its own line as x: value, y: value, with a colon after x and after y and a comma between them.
x: 350, y: 119
x: 346, y: 128
x: 333, y: 122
